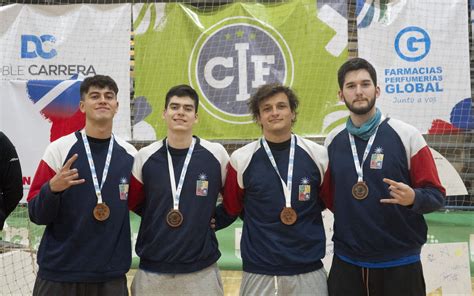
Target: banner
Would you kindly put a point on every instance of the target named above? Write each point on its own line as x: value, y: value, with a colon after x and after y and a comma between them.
x: 471, y: 5
x: 226, y: 52
x: 46, y: 52
x: 26, y: 127
x: 58, y: 42
x: 420, y: 50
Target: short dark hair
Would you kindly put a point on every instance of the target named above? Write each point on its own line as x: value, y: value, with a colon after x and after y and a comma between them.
x: 355, y: 64
x: 180, y: 91
x: 100, y: 81
x: 268, y: 90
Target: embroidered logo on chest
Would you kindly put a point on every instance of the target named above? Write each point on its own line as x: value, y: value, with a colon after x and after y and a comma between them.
x: 123, y: 188
x: 304, y: 192
x: 202, y: 185
x: 376, y: 160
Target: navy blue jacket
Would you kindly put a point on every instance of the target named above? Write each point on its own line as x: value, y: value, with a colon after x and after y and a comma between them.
x: 253, y: 188
x: 75, y: 246
x: 193, y: 245
x: 367, y: 230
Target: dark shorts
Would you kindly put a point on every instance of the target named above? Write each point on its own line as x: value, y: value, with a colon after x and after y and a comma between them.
x: 115, y: 287
x: 348, y: 279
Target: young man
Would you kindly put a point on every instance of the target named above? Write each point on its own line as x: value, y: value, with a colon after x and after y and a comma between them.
x: 80, y: 193
x: 274, y: 183
x: 11, y: 186
x: 383, y: 179
x: 174, y: 189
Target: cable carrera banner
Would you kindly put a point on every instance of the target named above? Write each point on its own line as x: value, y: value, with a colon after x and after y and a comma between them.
x: 46, y: 53
x: 226, y: 53
x: 58, y: 42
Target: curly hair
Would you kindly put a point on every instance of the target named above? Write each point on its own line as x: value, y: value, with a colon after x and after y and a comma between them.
x: 268, y: 90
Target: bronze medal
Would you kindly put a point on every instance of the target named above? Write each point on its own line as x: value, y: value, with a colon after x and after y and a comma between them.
x: 360, y: 190
x: 101, y: 212
x: 288, y: 216
x: 174, y: 218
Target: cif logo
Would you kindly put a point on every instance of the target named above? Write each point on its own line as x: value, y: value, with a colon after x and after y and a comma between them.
x: 412, y: 44
x: 231, y: 60
x: 33, y: 46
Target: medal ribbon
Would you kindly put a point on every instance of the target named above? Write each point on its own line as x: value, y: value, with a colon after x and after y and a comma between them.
x: 358, y: 165
x: 176, y: 191
x: 97, y: 187
x: 287, y: 186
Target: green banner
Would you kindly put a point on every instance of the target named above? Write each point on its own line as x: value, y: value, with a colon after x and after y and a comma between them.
x: 226, y: 52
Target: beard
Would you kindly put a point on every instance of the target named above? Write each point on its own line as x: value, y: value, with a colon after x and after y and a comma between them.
x: 361, y: 110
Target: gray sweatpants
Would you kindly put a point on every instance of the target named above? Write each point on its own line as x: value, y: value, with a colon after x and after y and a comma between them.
x: 311, y: 283
x: 115, y: 287
x: 204, y: 282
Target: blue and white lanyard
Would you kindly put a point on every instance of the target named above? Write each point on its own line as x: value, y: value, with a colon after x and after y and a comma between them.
x: 176, y: 191
x: 358, y: 165
x: 97, y: 187
x: 291, y: 160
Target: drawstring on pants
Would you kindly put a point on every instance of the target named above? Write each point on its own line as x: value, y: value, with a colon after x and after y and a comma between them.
x: 365, y: 279
x: 275, y: 278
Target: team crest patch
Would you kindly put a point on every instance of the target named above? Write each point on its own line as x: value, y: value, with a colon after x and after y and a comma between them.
x: 202, y: 185
x: 123, y: 189
x: 304, y: 192
x: 376, y: 161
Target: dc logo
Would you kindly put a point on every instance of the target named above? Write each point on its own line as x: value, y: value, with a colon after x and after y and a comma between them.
x: 412, y: 44
x: 231, y: 60
x: 33, y: 46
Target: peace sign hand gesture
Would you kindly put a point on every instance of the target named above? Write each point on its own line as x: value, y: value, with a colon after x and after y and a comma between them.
x: 66, y: 177
x: 401, y: 193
